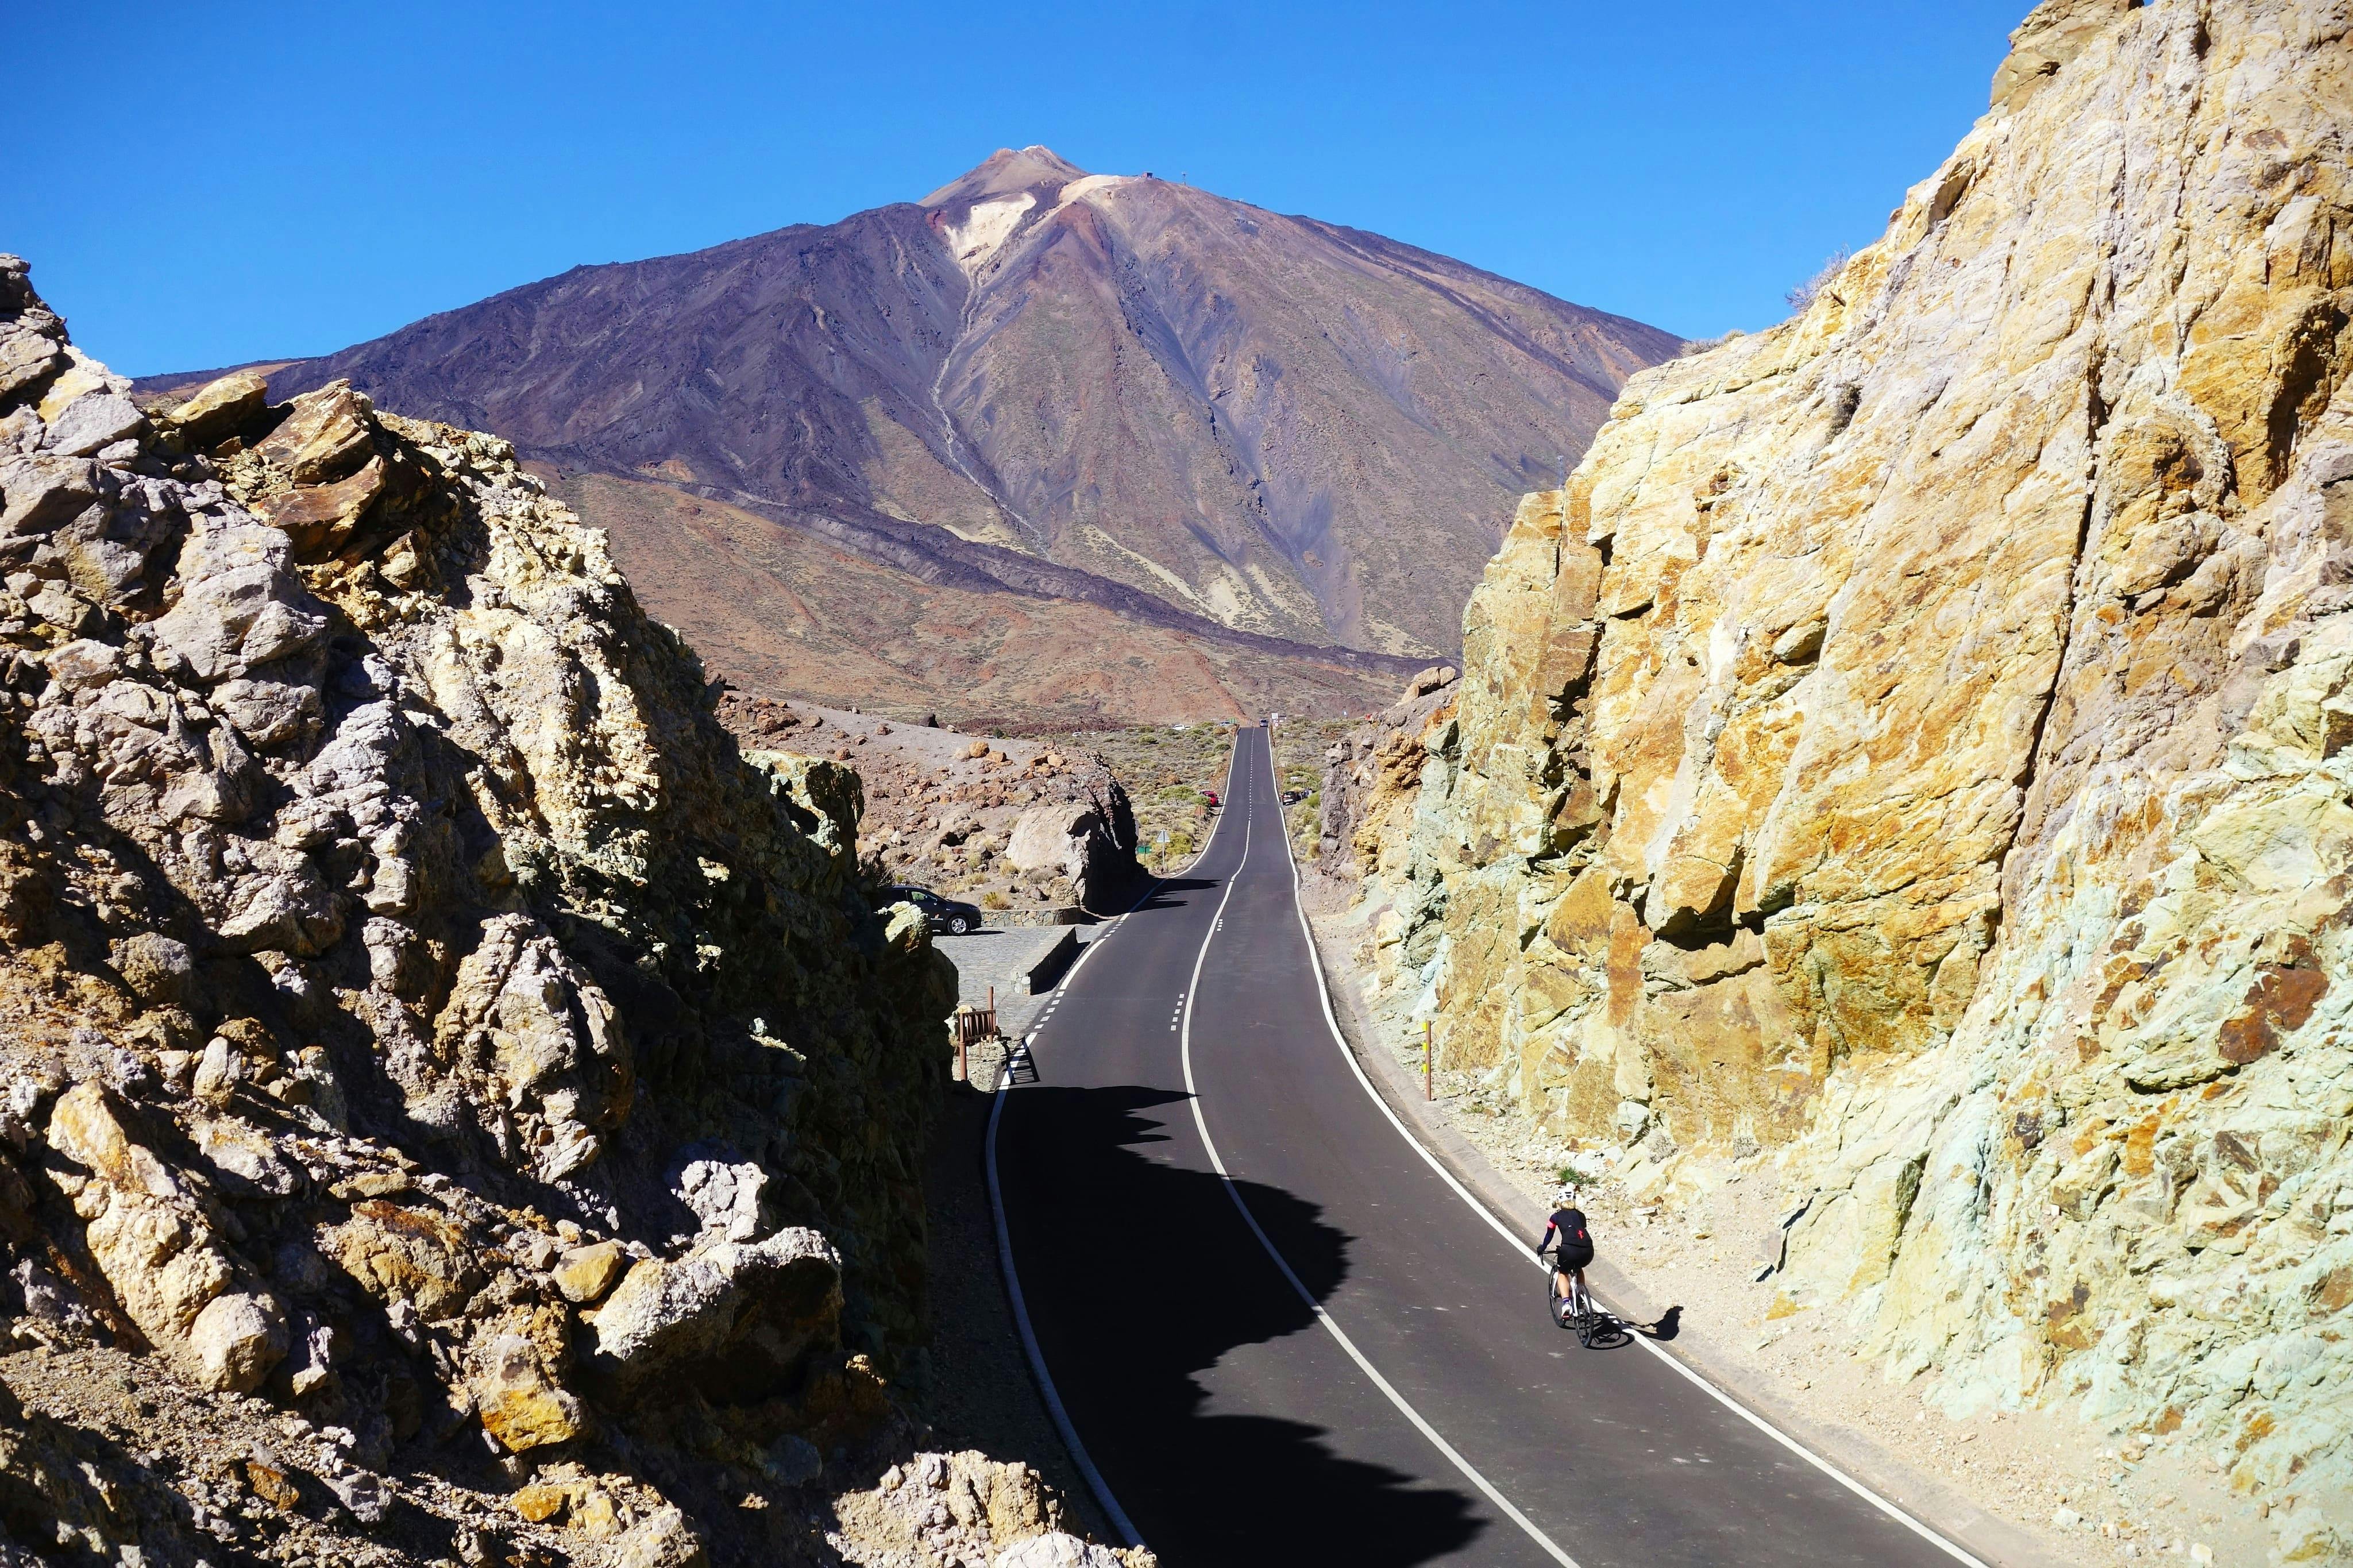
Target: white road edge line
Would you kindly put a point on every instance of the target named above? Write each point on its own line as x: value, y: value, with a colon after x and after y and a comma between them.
x: 1012, y: 1276
x: 1951, y: 1548
x: 1216, y: 1160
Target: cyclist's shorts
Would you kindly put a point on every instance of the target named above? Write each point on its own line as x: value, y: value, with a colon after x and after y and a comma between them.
x: 1570, y: 1256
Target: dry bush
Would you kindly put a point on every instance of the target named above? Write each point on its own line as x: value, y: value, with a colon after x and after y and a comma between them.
x: 1802, y: 296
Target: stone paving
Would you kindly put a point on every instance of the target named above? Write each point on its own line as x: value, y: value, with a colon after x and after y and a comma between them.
x: 1002, y: 959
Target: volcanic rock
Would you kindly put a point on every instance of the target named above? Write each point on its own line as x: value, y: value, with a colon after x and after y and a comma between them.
x: 1915, y: 745
x: 385, y: 921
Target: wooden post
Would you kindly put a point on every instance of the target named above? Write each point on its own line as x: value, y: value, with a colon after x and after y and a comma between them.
x: 1427, y: 1091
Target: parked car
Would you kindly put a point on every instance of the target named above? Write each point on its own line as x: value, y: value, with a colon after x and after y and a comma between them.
x: 1210, y: 795
x: 951, y: 915
x: 1293, y: 796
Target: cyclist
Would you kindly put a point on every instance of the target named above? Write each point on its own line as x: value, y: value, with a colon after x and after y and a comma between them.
x: 1572, y: 1252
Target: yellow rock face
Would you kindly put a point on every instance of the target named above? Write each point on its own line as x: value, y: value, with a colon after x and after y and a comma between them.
x: 539, y: 1503
x: 1916, y: 739
x: 530, y: 1417
x: 586, y: 1273
x: 406, y: 1255
x: 160, y: 1253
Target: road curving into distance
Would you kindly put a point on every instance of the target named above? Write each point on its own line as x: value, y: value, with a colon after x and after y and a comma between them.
x: 1277, y: 1333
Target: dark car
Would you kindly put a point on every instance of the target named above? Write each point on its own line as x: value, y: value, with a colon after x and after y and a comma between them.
x: 949, y: 915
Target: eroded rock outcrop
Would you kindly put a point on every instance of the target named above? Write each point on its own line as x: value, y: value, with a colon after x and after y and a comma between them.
x: 1007, y: 823
x: 1915, y: 744
x: 1082, y: 831
x: 1371, y: 778
x: 460, y: 1099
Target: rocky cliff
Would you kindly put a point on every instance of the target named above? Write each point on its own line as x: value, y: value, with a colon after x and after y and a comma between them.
x: 1913, y: 753
x: 1372, y: 777
x: 453, y: 1102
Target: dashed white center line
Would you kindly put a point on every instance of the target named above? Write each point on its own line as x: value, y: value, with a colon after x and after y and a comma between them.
x: 1372, y: 1372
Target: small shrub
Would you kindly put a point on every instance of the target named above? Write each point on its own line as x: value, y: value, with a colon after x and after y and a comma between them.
x: 995, y: 899
x: 1804, y: 294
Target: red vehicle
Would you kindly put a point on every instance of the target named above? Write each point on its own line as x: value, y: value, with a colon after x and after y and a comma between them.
x: 1211, y: 796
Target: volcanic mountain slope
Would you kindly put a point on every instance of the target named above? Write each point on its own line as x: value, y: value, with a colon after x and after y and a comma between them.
x: 783, y: 610
x: 1217, y: 416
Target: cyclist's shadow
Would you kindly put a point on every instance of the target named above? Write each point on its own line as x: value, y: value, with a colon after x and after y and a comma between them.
x: 1612, y: 1332
x: 1609, y: 1334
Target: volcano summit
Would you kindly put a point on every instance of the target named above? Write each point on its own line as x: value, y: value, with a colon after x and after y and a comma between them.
x: 1247, y: 448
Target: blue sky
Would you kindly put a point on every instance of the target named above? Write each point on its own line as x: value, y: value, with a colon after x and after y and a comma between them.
x: 203, y: 185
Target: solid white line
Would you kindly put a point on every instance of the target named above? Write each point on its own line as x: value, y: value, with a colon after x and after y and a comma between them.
x: 1924, y: 1531
x: 1234, y: 1192
x: 1029, y: 1346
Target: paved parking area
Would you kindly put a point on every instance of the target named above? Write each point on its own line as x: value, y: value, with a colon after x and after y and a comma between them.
x: 1003, y: 959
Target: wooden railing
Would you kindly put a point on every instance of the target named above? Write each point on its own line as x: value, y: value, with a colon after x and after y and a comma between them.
x: 970, y: 1026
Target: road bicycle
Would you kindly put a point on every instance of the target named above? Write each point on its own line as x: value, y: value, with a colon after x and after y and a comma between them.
x: 1575, y: 1310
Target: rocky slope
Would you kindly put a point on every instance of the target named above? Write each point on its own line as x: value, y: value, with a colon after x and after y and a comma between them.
x: 1372, y: 779
x: 1113, y: 390
x: 1909, y: 758
x: 1012, y: 825
x: 453, y: 1102
x: 796, y: 613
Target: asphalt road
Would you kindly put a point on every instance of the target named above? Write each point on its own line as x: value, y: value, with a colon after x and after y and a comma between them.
x: 1229, y: 1421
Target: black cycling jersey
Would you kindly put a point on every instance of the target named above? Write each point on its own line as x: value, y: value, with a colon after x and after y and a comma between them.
x: 1569, y: 1226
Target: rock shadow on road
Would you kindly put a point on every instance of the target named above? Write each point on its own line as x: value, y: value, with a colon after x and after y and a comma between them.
x: 1104, y: 1215
x: 1166, y: 893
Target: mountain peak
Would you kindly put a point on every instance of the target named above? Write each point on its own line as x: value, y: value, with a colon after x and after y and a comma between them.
x: 1005, y: 172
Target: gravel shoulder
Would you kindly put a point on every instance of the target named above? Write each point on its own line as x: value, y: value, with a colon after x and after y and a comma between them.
x: 2003, y: 1482
x: 980, y: 1392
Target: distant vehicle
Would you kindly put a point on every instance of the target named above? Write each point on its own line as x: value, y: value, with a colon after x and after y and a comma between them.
x: 1211, y: 796
x: 950, y: 915
x: 1293, y: 796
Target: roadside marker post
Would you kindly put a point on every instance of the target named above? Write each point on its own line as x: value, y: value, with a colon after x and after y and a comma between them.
x: 1427, y: 1091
